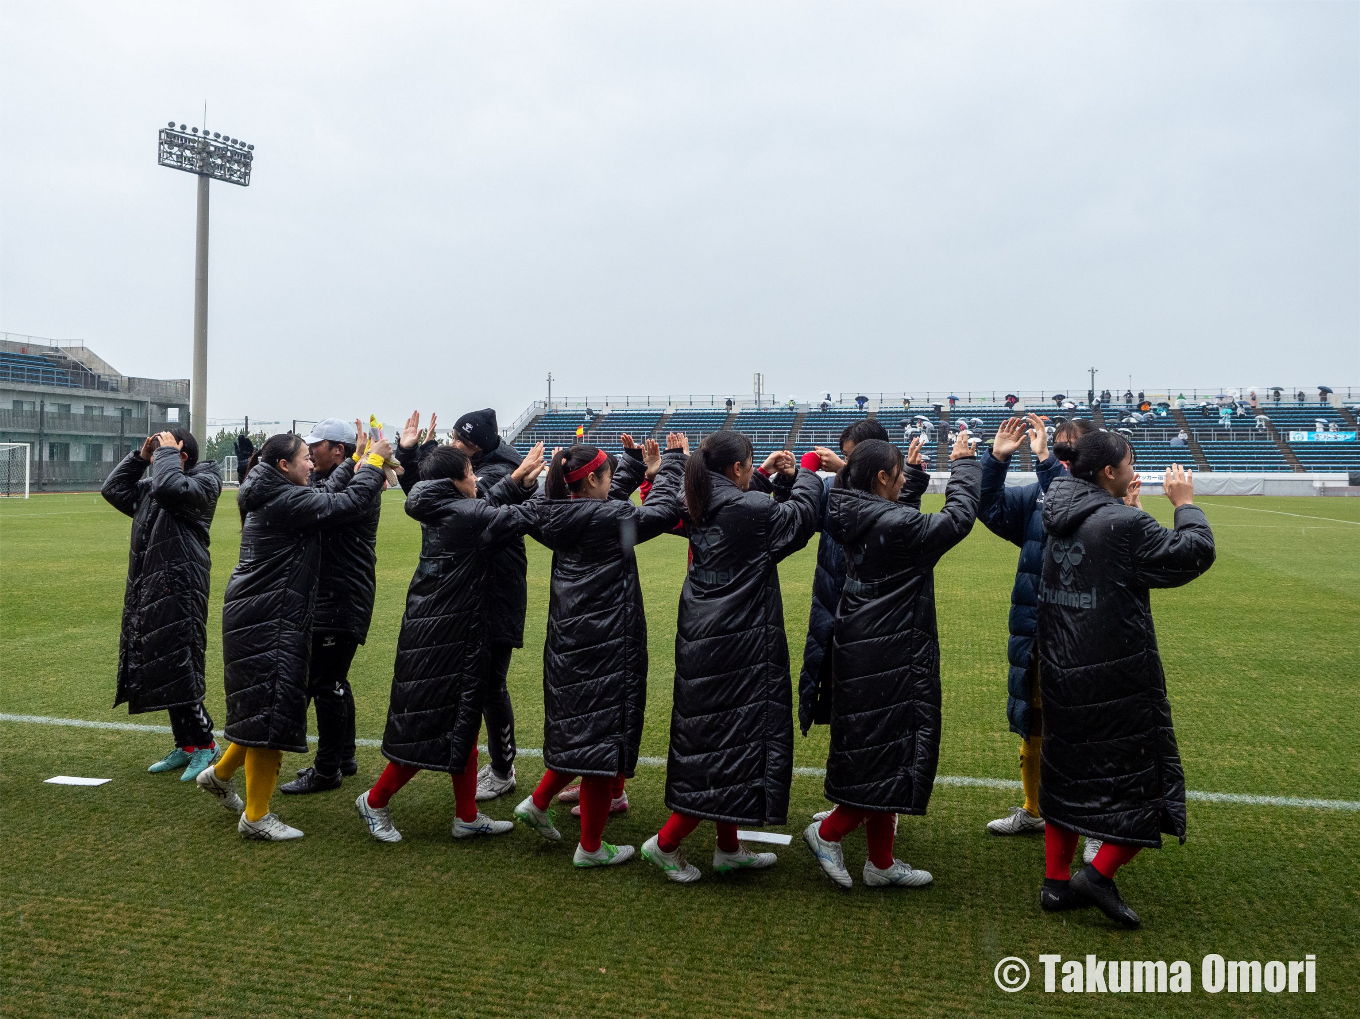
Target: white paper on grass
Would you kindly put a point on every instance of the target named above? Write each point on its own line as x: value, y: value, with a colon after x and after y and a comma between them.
x: 74, y: 780
x: 774, y: 838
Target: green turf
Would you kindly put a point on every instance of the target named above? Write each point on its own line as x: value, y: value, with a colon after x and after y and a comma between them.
x: 137, y: 898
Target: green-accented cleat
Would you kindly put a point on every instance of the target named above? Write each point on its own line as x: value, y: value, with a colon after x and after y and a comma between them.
x: 176, y: 758
x: 742, y: 859
x: 200, y: 759
x: 606, y: 856
x: 540, y: 821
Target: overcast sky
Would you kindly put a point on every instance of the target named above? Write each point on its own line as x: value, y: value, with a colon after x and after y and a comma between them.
x: 450, y: 201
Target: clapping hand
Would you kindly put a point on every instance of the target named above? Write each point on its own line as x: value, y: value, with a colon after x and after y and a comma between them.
x: 964, y: 445
x: 627, y: 441
x: 360, y: 440
x: 381, y: 448
x: 530, y: 467
x: 651, y: 453
x: 1179, y: 485
x: 678, y: 440
x: 1038, y: 437
x: 914, y: 451
x: 1008, y: 438
x: 410, y: 432
x: 1132, y: 496
x: 428, y: 434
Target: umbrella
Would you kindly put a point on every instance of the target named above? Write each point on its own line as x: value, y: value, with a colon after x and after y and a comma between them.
x: 1324, y: 389
x: 1058, y: 398
x: 1012, y: 398
x: 1164, y: 405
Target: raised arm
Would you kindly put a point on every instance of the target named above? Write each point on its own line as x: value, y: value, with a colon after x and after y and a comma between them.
x: 794, y: 521
x: 1170, y: 557
x: 179, y: 492
x: 311, y: 509
x: 632, y: 469
x: 944, y: 530
x: 120, y: 488
x: 659, y: 513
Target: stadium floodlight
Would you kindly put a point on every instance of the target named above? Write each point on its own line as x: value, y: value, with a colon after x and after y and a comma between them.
x: 214, y: 158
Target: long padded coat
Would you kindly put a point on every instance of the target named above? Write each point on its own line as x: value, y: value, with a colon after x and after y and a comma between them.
x: 349, y: 565
x: 508, y: 581
x: 1016, y: 514
x: 267, y: 613
x: 439, y: 680
x: 885, y: 705
x: 1110, y: 767
x: 165, y: 606
x: 814, y: 682
x: 595, y: 656
x: 731, y: 750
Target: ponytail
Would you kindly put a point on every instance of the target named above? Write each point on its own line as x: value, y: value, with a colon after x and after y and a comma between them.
x: 283, y: 446
x: 718, y: 451
x: 1090, y: 454
x: 573, y: 458
x: 868, y: 458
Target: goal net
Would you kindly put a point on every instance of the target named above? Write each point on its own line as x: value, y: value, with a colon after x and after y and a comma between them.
x: 14, y: 469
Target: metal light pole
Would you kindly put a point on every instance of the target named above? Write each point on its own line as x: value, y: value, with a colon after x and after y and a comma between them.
x: 226, y: 159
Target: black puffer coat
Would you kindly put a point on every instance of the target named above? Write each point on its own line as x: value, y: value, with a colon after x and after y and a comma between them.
x: 731, y: 750
x: 885, y: 705
x: 508, y: 579
x: 440, y: 676
x: 1110, y: 767
x: 267, y: 614
x: 595, y: 657
x: 814, y: 683
x: 349, y: 564
x: 165, y: 606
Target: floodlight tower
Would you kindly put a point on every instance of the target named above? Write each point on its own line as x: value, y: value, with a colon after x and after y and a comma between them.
x: 226, y: 159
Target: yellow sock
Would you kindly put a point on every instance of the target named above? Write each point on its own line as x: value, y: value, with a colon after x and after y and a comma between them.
x: 232, y: 758
x: 262, y: 771
x: 1029, y: 772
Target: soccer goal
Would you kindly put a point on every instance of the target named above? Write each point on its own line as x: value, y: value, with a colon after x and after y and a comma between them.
x: 14, y: 469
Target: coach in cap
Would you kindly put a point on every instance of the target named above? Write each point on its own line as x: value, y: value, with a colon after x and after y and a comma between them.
x: 342, y: 611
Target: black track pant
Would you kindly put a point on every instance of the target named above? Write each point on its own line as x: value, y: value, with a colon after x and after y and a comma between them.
x: 328, y: 686
x: 191, y: 725
x: 499, y: 715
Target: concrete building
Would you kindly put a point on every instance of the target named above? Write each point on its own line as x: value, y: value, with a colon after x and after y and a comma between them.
x: 79, y: 414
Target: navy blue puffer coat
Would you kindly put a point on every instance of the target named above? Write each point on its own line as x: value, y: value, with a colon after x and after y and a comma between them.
x: 1016, y: 514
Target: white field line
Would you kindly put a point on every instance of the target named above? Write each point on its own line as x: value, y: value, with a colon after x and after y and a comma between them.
x: 1282, y: 513
x: 1246, y: 799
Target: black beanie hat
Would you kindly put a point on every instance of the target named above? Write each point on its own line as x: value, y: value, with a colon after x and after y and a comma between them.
x: 479, y: 428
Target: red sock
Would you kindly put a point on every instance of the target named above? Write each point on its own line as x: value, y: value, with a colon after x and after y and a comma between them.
x: 596, y: 792
x: 552, y: 783
x: 394, y: 776
x: 1060, y: 845
x: 465, y: 789
x: 673, y: 832
x: 727, y: 837
x: 1109, y: 858
x: 617, y: 791
x: 841, y: 822
x: 880, y: 829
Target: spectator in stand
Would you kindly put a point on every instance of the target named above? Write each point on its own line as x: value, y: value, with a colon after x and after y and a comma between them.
x: 1179, y: 439
x: 1128, y: 398
x: 861, y: 402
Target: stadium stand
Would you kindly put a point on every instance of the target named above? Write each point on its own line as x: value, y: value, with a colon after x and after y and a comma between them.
x: 1237, y: 444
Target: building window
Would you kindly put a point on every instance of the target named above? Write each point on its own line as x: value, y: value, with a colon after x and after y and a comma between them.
x: 172, y: 415
x: 94, y: 411
x: 94, y: 451
x: 62, y: 408
x: 22, y: 406
x: 59, y: 451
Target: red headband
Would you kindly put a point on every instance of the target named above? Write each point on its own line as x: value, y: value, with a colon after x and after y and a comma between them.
x: 590, y: 468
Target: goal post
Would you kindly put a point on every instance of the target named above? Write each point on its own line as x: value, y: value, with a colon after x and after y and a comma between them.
x: 15, y: 459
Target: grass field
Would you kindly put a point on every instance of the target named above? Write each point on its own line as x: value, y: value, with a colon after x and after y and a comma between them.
x: 137, y: 898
